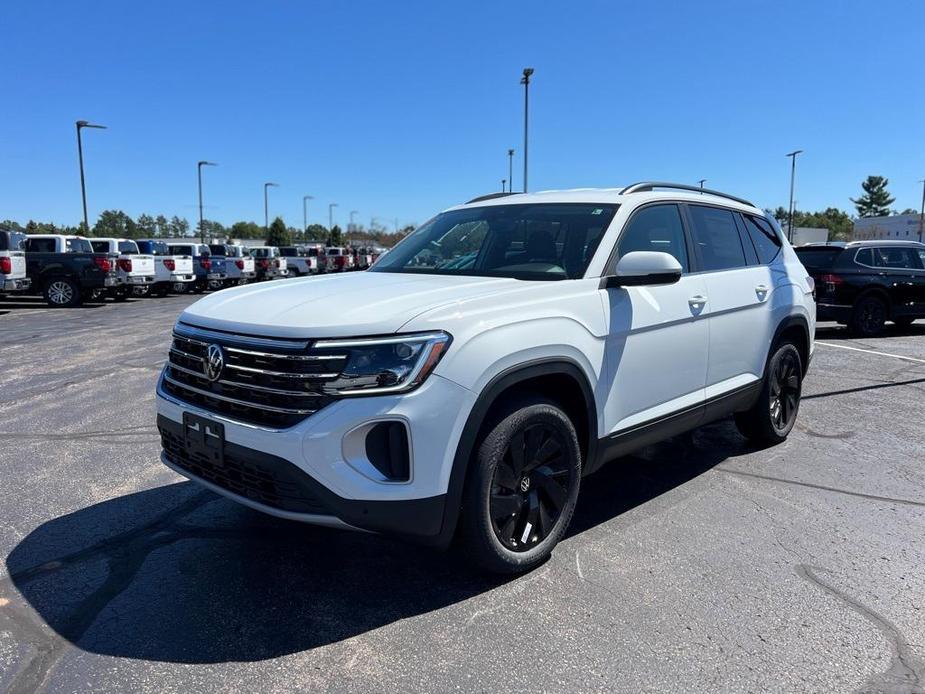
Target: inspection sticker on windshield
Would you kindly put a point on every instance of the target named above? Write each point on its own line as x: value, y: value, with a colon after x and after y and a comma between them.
x: 597, y: 211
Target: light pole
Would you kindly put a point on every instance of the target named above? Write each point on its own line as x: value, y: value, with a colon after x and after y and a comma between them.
x: 331, y: 216
x: 352, y: 212
x: 266, y: 205
x: 80, y: 156
x: 922, y: 215
x: 525, y: 81
x: 793, y: 174
x: 503, y: 181
x: 510, y: 169
x: 702, y: 181
x: 305, y: 199
x: 202, y: 229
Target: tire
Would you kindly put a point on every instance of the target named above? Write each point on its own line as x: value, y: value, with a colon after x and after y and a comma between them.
x: 62, y: 293
x: 120, y: 294
x: 142, y: 291
x: 521, y: 488
x: 904, y: 321
x: 868, y: 317
x: 771, y: 418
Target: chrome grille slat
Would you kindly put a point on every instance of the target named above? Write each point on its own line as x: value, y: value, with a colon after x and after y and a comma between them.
x: 256, y: 385
x: 253, y: 386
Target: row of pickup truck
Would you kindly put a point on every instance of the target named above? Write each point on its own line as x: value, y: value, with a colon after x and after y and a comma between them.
x: 68, y: 270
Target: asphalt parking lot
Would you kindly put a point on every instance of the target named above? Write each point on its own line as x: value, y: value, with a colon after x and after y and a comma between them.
x: 699, y: 565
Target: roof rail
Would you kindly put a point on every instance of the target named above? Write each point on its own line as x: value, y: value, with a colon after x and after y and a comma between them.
x: 646, y: 186
x: 490, y: 196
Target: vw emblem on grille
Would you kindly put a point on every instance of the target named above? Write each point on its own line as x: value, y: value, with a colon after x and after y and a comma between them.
x: 215, y: 362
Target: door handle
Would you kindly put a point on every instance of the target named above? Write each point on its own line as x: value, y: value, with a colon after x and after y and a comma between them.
x: 762, y: 291
x: 697, y: 301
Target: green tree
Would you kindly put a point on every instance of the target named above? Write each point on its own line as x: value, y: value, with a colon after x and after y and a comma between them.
x: 115, y: 223
x: 876, y: 200
x: 214, y: 229
x: 316, y: 232
x: 335, y: 237
x: 147, y: 226
x: 163, y: 226
x: 178, y: 226
x: 245, y: 230
x: 909, y: 210
x: 278, y: 235
x: 10, y: 225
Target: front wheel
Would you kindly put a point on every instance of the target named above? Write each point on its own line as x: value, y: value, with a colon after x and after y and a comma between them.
x: 522, y: 488
x: 62, y: 293
x: 772, y: 417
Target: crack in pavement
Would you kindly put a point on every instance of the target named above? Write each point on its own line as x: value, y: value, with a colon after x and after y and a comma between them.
x: 125, y: 553
x: 146, y: 433
x: 821, y: 487
x: 906, y: 674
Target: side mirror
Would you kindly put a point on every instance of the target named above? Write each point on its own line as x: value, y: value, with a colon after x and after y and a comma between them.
x: 640, y: 268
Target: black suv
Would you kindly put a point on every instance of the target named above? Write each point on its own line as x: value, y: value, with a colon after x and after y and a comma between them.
x: 863, y: 284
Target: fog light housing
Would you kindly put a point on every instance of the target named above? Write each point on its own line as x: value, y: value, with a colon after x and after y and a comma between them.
x: 387, y: 450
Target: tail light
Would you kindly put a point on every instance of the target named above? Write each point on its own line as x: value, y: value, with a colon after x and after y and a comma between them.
x: 170, y: 264
x: 834, y: 280
x: 264, y: 263
x: 205, y: 264
x: 125, y: 264
x: 102, y: 262
x: 275, y: 263
x: 239, y: 264
x: 339, y: 260
x: 6, y: 266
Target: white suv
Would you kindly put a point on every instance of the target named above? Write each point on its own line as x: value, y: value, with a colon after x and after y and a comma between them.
x: 465, y: 384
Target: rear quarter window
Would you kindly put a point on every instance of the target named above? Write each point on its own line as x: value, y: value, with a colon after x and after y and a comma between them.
x: 766, y: 241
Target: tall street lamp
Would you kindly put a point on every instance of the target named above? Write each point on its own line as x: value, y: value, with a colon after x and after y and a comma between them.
x: 793, y: 174
x: 305, y: 199
x: 922, y: 215
x: 80, y: 156
x: 525, y: 81
x: 331, y: 216
x: 199, y: 165
x: 510, y: 169
x: 352, y: 212
x: 266, y: 205
x: 503, y: 181
x: 702, y: 181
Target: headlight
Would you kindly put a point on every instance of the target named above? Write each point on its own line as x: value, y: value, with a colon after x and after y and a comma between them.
x: 386, y: 364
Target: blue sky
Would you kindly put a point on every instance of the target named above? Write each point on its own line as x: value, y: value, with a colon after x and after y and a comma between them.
x: 399, y: 109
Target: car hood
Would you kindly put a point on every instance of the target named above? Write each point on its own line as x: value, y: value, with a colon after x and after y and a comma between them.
x: 360, y: 303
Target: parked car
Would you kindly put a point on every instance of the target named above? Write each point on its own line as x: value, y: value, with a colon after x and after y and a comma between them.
x: 134, y: 269
x: 863, y: 284
x: 13, y: 279
x: 239, y: 265
x: 269, y: 263
x: 206, y: 269
x: 66, y: 269
x: 469, y: 402
x: 171, y: 272
x: 340, y: 259
x: 319, y: 251
x: 299, y: 261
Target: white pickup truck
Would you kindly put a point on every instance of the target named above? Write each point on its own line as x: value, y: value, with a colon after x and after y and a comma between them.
x: 171, y: 272
x: 270, y: 265
x: 239, y: 265
x: 134, y: 270
x: 13, y: 262
x: 299, y: 261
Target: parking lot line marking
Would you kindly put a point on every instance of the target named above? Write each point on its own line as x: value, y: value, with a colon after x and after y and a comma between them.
x: 870, y: 351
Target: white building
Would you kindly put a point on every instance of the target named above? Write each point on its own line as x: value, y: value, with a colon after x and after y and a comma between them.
x: 897, y: 227
x: 804, y: 235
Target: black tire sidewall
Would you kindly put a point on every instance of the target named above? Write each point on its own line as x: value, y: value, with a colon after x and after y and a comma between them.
x: 856, y: 325
x: 476, y: 523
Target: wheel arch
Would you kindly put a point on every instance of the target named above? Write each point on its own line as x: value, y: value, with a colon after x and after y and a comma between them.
x: 527, y: 377
x: 795, y: 327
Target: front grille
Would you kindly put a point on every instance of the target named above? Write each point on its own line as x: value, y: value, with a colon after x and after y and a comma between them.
x: 276, y: 485
x: 265, y: 381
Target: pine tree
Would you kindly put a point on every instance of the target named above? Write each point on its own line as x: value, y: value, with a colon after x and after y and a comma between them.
x: 876, y: 200
x: 278, y: 235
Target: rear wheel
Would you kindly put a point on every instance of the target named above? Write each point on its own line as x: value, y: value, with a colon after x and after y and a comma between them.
x: 772, y: 417
x: 62, y: 293
x: 868, y: 316
x: 522, y: 488
x: 120, y: 294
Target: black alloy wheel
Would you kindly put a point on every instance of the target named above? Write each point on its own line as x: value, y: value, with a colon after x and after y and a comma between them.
x: 868, y: 317
x: 785, y: 389
x: 530, y: 487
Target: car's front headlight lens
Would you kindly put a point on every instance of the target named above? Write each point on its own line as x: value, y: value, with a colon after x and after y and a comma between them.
x: 386, y: 364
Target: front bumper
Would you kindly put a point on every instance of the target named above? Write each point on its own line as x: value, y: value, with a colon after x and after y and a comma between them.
x: 311, y: 472
x: 19, y: 284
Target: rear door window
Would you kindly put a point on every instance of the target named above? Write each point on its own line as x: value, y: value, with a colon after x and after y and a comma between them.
x: 716, y: 238
x: 764, y: 238
x: 655, y: 228
x: 894, y: 258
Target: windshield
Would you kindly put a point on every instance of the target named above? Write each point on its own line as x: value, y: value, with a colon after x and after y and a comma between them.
x: 217, y: 249
x: 76, y: 245
x: 818, y: 258
x: 552, y: 241
x: 261, y: 252
x: 335, y: 251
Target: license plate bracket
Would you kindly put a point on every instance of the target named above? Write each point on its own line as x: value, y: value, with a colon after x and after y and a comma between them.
x: 204, y: 438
